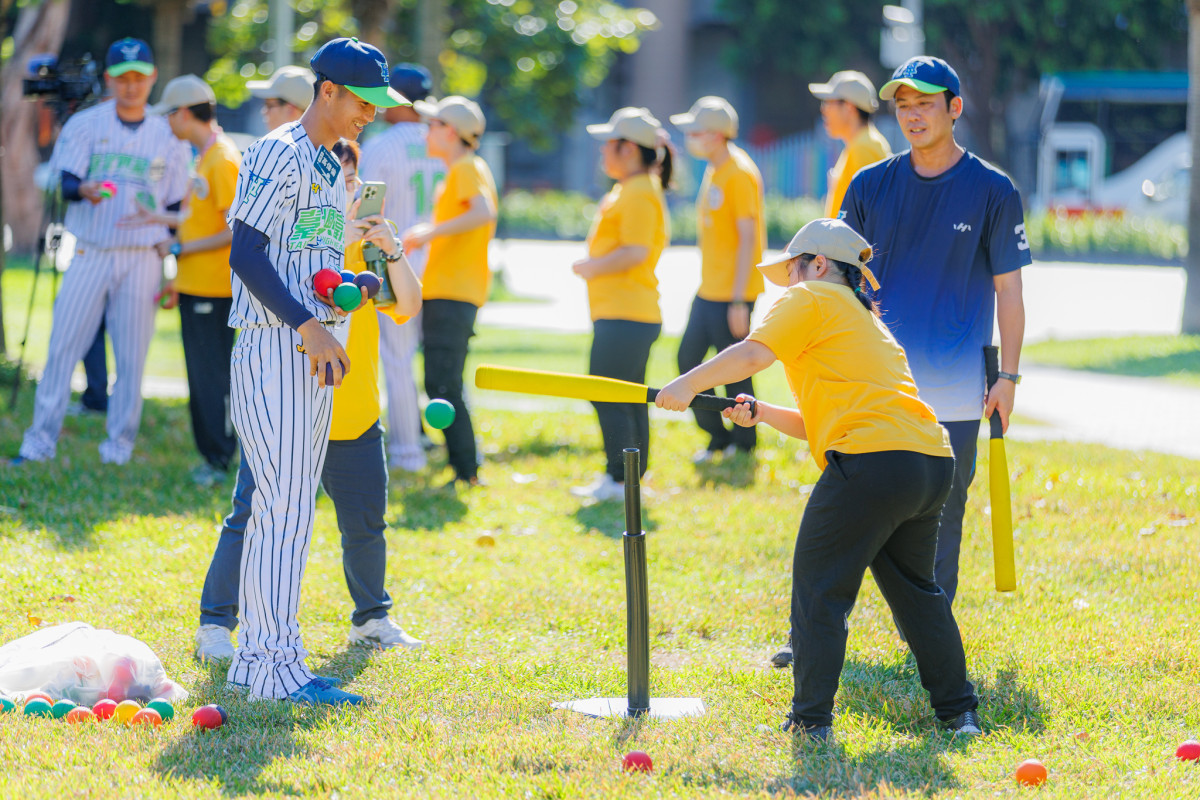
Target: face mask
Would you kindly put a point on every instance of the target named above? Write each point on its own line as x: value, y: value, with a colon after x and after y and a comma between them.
x: 695, y: 148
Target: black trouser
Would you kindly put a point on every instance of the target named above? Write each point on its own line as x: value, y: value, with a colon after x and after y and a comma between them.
x: 708, y: 329
x: 964, y: 440
x: 207, y: 346
x: 95, y: 366
x: 446, y: 328
x: 621, y: 350
x: 876, y: 510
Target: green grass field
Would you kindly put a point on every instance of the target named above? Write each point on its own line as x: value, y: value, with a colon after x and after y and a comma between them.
x: 1093, y: 665
x: 1176, y: 358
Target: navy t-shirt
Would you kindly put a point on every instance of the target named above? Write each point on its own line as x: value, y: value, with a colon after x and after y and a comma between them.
x: 938, y: 243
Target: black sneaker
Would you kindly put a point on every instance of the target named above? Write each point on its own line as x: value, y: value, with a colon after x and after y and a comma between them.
x: 783, y: 658
x: 820, y: 733
x: 965, y: 724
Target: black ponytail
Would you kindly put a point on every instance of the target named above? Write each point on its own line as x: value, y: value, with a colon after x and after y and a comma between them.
x: 664, y: 166
x: 858, y: 283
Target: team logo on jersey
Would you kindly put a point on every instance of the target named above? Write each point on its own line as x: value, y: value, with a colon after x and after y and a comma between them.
x: 199, y: 187
x: 841, y: 213
x: 316, y: 187
x: 158, y: 168
x: 715, y: 198
x: 962, y: 227
x: 328, y: 168
x: 254, y: 185
x: 318, y: 228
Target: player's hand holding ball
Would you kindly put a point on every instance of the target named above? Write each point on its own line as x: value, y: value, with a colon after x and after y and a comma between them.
x: 741, y: 413
x: 326, y: 356
x: 344, y: 295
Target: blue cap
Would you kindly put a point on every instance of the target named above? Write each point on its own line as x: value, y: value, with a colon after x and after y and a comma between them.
x: 359, y: 67
x: 129, y: 55
x: 412, y: 80
x: 926, y: 74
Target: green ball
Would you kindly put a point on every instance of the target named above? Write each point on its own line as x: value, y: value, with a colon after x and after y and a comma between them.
x: 6, y: 705
x: 61, y: 708
x: 439, y: 414
x: 37, y: 708
x: 164, y: 709
x: 347, y: 296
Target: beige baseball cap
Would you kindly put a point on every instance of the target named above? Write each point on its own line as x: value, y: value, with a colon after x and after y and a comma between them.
x: 635, y: 124
x: 849, y: 85
x: 183, y: 92
x: 458, y: 112
x: 291, y: 84
x: 831, y: 238
x: 709, y: 114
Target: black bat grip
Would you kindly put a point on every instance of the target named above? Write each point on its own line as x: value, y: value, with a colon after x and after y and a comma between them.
x: 991, y: 366
x: 708, y: 402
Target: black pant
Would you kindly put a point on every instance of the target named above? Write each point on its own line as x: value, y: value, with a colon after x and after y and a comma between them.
x: 964, y: 440
x: 207, y: 346
x: 708, y: 329
x: 446, y: 328
x: 95, y: 366
x: 876, y: 510
x: 621, y: 350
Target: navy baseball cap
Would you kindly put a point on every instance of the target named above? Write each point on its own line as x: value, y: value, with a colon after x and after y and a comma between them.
x: 359, y: 67
x: 129, y: 55
x: 926, y: 74
x: 412, y: 80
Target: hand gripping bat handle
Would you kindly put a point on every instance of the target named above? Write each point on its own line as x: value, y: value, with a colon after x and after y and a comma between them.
x: 708, y: 402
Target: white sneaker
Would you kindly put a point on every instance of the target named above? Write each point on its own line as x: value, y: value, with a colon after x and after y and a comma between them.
x: 213, y: 644
x: 602, y: 489
x: 382, y: 634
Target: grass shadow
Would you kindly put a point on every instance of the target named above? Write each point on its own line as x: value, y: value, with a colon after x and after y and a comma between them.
x: 737, y: 471
x: 429, y: 507
x: 608, y: 518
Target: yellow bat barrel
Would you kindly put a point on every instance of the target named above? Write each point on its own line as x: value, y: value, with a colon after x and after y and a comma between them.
x: 1002, y: 540
x: 559, y: 384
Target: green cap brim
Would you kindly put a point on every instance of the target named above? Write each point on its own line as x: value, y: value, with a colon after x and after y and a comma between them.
x: 131, y: 66
x: 381, y: 96
x: 889, y: 89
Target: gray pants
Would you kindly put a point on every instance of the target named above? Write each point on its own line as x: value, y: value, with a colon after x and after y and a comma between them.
x: 355, y: 478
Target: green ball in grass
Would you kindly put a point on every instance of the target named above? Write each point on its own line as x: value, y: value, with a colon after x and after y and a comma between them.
x: 439, y: 414
x: 61, y: 708
x: 164, y: 709
x: 37, y: 708
x: 6, y: 705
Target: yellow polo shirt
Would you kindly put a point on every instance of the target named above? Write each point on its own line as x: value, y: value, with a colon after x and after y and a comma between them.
x: 458, y: 264
x: 731, y: 192
x: 633, y: 213
x: 848, y: 374
x: 207, y: 274
x: 867, y: 148
x: 356, y: 403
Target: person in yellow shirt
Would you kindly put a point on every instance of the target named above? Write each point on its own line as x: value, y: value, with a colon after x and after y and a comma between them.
x: 627, y: 237
x: 847, y: 101
x: 457, y: 276
x: 201, y: 287
x: 886, y: 468
x: 355, y: 473
x: 731, y: 232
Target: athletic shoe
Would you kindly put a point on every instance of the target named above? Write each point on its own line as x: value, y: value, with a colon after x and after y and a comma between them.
x: 783, y: 658
x: 242, y: 688
x: 602, y: 489
x: 17, y: 461
x: 820, y: 733
x: 213, y: 644
x: 318, y: 692
x: 709, y: 456
x: 206, y: 476
x: 965, y: 724
x: 382, y: 634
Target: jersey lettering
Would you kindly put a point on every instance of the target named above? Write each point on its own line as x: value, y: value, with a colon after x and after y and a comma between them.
x: 318, y: 228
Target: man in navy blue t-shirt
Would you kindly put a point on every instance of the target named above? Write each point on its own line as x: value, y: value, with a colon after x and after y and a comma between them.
x: 949, y: 240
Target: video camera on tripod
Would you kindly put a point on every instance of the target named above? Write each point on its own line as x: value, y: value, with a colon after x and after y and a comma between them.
x: 67, y: 86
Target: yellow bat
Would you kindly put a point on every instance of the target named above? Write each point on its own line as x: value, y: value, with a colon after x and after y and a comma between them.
x: 582, y: 387
x: 1002, y: 538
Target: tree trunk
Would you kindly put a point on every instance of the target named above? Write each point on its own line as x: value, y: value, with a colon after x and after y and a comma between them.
x: 168, y: 38
x: 1191, y: 295
x: 372, y: 16
x: 40, y: 29
x: 432, y: 21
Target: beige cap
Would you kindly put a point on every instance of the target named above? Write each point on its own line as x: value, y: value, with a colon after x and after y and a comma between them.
x: 291, y: 84
x: 182, y: 92
x: 709, y: 114
x: 849, y: 85
x: 635, y: 124
x: 831, y: 238
x: 458, y: 112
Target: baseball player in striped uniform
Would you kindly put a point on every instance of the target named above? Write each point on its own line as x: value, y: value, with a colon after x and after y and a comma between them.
x: 288, y: 223
x: 398, y: 158
x: 116, y: 271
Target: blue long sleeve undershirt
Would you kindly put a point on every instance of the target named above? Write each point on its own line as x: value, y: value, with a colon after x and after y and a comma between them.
x: 248, y: 259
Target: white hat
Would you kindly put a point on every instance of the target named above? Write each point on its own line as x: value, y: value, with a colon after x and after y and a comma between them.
x: 291, y: 84
x: 849, y: 85
x: 465, y: 116
x: 635, y: 124
x: 831, y: 238
x: 184, y: 92
x: 709, y: 114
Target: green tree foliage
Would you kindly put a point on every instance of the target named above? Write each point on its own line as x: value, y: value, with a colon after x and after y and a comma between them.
x: 529, y: 60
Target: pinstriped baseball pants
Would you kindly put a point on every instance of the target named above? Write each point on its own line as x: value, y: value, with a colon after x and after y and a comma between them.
x: 397, y: 349
x: 282, y: 419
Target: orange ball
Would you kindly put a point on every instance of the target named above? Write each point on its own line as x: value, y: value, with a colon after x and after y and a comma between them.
x: 147, y: 716
x: 1031, y: 772
x: 81, y: 714
x: 39, y: 696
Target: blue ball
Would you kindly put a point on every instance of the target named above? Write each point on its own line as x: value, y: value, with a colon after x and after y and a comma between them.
x: 348, y: 276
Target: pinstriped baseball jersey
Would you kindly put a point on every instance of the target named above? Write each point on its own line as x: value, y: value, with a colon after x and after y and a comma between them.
x: 292, y: 191
x: 147, y: 163
x: 398, y: 158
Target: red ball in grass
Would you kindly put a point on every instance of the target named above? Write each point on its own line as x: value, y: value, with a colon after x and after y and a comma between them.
x: 1188, y: 751
x: 1031, y: 772
x: 208, y: 717
x: 637, y: 761
x: 105, y: 708
x: 326, y: 281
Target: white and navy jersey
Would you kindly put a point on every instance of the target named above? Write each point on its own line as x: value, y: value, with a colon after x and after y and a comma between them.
x: 146, y: 162
x: 291, y: 190
x: 398, y: 158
